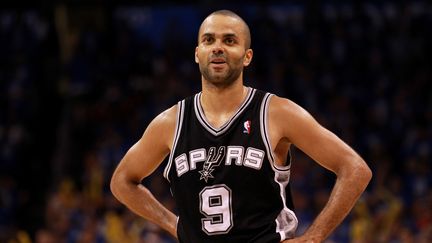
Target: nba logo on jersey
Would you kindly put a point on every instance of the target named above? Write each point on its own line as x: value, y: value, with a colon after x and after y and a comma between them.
x: 247, y: 127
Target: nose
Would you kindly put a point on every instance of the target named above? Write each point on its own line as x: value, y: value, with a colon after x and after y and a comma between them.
x: 218, y: 48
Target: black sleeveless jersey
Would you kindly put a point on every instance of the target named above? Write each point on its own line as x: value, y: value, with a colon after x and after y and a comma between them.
x: 224, y: 180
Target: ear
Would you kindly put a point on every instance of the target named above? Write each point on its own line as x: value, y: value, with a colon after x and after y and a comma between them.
x: 196, y: 55
x: 248, y: 57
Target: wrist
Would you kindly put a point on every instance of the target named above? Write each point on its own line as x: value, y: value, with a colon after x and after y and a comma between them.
x: 313, y: 237
x: 172, y: 227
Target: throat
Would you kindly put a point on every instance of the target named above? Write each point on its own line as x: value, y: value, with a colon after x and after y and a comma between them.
x: 218, y: 121
x: 219, y: 109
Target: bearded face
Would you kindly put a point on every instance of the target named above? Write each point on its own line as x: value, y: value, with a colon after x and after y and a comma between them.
x: 221, y: 69
x: 221, y: 52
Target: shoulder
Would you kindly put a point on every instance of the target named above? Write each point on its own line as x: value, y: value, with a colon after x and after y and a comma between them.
x: 288, y: 119
x: 162, y: 127
x: 166, y: 119
x: 285, y: 108
x: 165, y: 122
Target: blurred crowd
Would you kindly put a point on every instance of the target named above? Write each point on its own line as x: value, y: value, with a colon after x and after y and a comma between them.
x: 79, y: 84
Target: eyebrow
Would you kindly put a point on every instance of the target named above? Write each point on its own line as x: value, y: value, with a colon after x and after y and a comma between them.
x: 230, y: 35
x: 227, y: 35
x: 224, y: 35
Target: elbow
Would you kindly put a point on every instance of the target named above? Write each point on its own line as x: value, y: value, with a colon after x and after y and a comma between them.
x: 357, y: 172
x: 114, y: 184
x: 367, y: 173
x: 119, y: 184
x: 362, y: 173
x: 122, y: 184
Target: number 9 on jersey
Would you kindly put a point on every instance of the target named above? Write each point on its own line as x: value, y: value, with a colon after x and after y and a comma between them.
x: 215, y: 205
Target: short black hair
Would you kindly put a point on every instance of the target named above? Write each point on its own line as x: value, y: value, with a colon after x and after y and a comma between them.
x: 230, y: 13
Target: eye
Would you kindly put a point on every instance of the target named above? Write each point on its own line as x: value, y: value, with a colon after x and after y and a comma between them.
x: 230, y: 41
x: 208, y: 39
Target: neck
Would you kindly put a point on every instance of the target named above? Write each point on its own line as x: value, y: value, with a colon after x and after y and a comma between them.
x: 222, y: 99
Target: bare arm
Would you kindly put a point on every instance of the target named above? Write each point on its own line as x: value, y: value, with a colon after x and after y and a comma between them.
x: 290, y: 121
x: 139, y: 162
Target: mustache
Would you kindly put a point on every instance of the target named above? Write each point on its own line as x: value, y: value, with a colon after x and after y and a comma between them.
x: 218, y: 55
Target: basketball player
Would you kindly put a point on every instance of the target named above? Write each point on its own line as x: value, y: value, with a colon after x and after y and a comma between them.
x: 228, y: 149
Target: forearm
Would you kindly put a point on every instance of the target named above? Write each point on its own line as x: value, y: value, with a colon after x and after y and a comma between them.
x: 142, y: 202
x: 346, y: 191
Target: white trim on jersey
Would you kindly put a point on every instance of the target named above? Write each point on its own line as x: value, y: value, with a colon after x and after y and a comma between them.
x: 179, y: 123
x: 263, y: 127
x: 199, y: 112
x: 286, y: 222
x: 265, y: 136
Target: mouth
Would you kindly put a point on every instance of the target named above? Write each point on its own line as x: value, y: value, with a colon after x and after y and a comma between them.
x: 218, y: 61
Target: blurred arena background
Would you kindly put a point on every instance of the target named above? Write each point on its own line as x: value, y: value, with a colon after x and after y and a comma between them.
x: 79, y: 82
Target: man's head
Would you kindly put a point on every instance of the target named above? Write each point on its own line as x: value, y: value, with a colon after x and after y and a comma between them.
x: 245, y: 28
x: 223, y: 47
